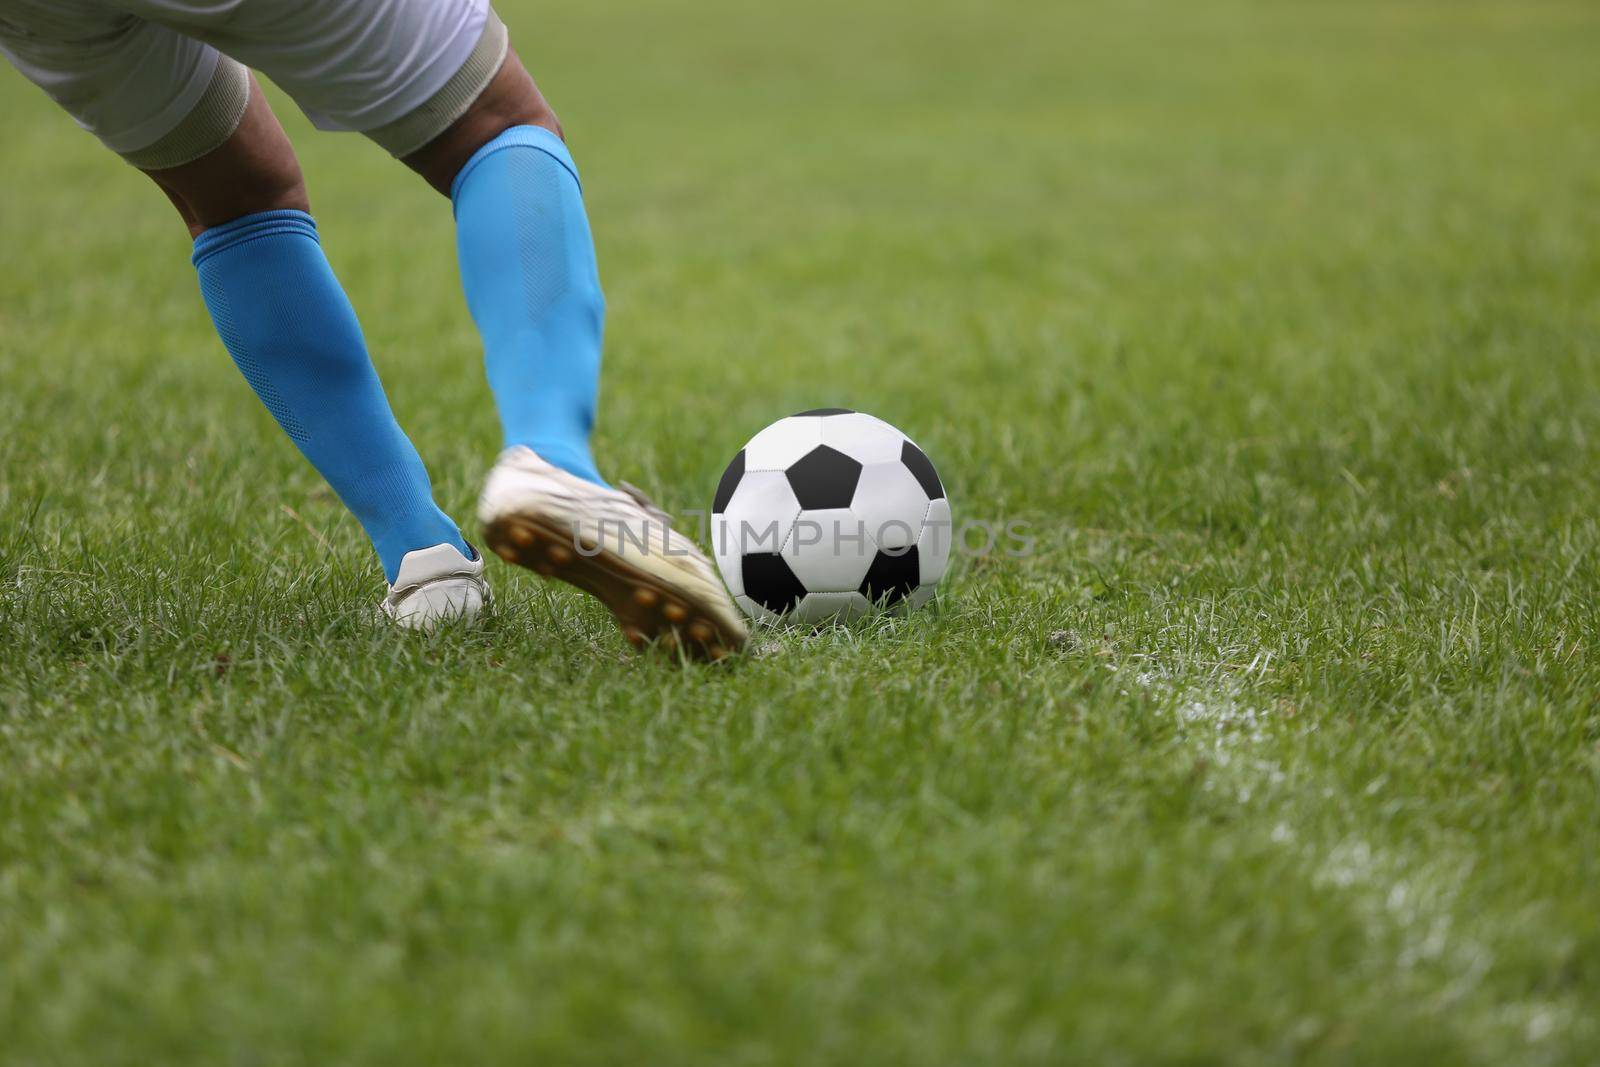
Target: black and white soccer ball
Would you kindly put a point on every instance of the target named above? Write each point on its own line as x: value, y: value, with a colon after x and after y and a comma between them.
x: 827, y: 514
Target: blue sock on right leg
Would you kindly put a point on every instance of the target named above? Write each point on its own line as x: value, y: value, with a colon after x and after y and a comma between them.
x: 288, y: 325
x: 532, y: 285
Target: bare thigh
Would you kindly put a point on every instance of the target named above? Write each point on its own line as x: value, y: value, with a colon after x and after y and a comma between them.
x: 254, y: 170
x: 510, y: 99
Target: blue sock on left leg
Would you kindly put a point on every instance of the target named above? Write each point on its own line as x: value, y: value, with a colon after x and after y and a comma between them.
x: 528, y: 268
x: 291, y: 330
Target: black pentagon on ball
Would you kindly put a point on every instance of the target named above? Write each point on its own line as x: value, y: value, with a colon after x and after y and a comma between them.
x: 921, y: 468
x: 769, y: 582
x: 824, y: 478
x: 893, y: 576
x: 729, y: 482
x: 821, y: 411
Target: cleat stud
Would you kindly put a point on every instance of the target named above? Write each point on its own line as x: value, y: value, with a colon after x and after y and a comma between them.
x: 702, y: 632
x: 634, y: 635
x: 506, y: 552
x: 645, y: 597
x: 521, y: 536
x: 673, y: 611
x: 560, y: 555
x: 716, y: 652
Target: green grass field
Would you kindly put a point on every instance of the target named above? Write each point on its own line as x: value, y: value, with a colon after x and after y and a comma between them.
x: 1278, y: 322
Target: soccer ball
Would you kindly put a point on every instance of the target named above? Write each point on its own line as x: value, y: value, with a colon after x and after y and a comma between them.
x: 826, y: 514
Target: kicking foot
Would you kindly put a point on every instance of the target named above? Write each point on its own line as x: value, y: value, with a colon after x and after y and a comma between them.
x: 615, y: 545
x: 436, y: 585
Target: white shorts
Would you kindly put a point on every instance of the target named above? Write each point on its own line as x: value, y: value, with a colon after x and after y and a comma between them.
x: 163, y: 82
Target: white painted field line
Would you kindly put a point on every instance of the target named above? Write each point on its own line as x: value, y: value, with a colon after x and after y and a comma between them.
x: 1411, y: 910
x: 1221, y: 719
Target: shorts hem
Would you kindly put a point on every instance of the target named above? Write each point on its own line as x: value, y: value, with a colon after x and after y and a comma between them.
x: 212, y: 120
x: 436, y: 114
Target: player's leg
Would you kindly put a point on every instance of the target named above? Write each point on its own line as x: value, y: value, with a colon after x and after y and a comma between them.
x: 253, y: 170
x: 509, y: 99
x: 290, y: 328
x: 528, y: 267
x: 527, y: 264
x: 198, y: 125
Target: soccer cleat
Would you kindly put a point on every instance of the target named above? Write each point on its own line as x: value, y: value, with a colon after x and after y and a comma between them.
x: 436, y: 585
x: 613, y: 544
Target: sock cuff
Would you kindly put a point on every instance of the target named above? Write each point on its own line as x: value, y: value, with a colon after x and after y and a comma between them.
x: 252, y: 227
x: 535, y: 137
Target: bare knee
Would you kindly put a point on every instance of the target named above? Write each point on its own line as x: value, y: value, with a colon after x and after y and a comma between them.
x: 254, y: 170
x: 510, y: 99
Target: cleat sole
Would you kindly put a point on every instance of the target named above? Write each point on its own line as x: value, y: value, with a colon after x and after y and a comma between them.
x: 647, y: 610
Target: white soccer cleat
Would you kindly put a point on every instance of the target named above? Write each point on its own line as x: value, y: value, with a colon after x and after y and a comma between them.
x: 613, y: 544
x: 436, y: 585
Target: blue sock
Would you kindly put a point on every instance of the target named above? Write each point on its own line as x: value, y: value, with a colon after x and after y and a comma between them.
x: 528, y: 268
x: 291, y: 330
